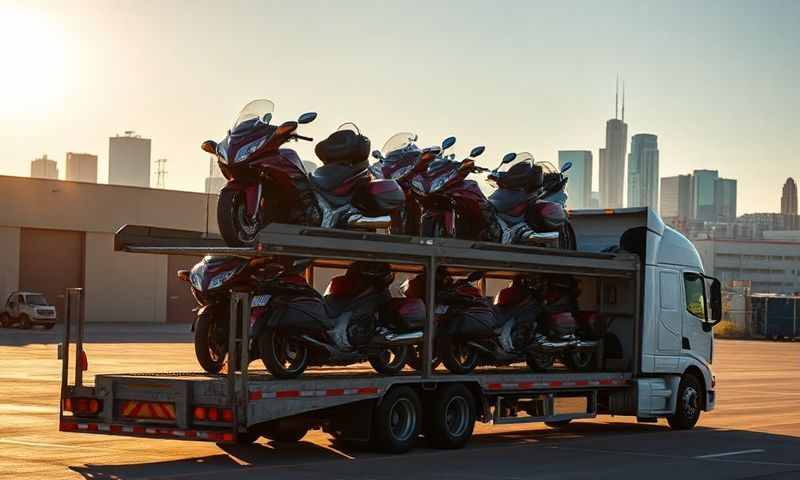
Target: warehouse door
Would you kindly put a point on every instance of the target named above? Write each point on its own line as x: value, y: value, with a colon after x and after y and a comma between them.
x: 50, y: 262
x: 180, y: 301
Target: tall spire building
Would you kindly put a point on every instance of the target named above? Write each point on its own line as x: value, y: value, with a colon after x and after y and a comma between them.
x: 612, y: 157
x: 789, y: 197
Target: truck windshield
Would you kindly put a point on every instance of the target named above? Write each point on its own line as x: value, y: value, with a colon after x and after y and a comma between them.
x: 36, y: 300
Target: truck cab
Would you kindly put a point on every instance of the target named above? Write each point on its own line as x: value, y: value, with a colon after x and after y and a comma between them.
x: 27, y: 309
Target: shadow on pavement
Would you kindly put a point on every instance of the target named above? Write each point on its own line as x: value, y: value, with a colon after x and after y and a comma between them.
x: 101, y: 333
x: 584, y: 450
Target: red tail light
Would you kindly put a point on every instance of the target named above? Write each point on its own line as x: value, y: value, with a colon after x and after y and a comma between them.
x: 213, y: 414
x: 227, y: 415
x: 83, y: 406
x: 200, y: 413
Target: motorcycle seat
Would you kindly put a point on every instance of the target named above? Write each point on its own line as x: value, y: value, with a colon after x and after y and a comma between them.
x: 337, y: 178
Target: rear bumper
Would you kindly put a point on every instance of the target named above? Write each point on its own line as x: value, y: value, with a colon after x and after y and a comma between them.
x: 83, y: 426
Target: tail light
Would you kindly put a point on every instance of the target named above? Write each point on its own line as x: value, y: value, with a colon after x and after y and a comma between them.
x: 212, y: 414
x: 83, y: 407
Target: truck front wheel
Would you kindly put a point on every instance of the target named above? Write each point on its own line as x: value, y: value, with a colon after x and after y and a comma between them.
x: 689, y: 404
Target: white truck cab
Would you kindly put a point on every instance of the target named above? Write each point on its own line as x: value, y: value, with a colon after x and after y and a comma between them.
x: 27, y: 309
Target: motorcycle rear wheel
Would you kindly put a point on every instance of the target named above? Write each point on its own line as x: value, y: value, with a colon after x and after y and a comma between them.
x: 540, y: 362
x: 210, y: 352
x: 580, y: 361
x: 282, y: 355
x: 415, y: 358
x: 235, y: 226
x: 459, y: 357
x: 390, y: 361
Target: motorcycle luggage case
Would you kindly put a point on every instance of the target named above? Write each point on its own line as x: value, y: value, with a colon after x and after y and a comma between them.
x: 379, y: 197
x: 473, y: 322
x: 305, y: 314
x: 343, y: 146
x: 405, y: 314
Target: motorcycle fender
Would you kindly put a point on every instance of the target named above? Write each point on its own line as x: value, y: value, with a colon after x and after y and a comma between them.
x: 200, y: 312
x: 250, y: 191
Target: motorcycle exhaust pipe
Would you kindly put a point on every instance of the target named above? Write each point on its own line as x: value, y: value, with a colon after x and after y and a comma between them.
x: 586, y: 345
x: 536, y: 237
x: 316, y: 342
x: 400, y: 338
x: 360, y: 221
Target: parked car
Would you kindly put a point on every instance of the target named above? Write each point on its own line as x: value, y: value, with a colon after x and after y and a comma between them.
x: 26, y: 309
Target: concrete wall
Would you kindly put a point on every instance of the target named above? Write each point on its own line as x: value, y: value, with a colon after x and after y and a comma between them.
x: 9, y: 261
x: 123, y: 287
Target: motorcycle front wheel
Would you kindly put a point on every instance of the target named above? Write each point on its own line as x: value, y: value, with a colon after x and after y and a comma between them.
x: 415, y: 358
x: 209, y: 350
x: 389, y: 361
x: 459, y: 357
x: 236, y: 226
x: 283, y: 356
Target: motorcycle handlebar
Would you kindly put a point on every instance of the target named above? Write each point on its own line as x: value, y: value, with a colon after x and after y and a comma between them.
x: 300, y: 137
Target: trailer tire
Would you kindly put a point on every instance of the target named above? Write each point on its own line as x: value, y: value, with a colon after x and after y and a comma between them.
x: 274, y: 345
x: 689, y: 404
x: 396, y: 420
x: 202, y: 346
x: 246, y: 438
x: 280, y: 432
x: 390, y: 361
x: 451, y: 419
x: 458, y: 357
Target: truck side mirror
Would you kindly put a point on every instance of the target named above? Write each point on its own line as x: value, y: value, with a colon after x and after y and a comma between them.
x: 715, y: 302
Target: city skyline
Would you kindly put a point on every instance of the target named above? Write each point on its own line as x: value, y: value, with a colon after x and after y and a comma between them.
x: 86, y: 72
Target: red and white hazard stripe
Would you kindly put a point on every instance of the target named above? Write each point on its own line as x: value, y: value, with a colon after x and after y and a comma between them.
x: 555, y: 384
x: 329, y: 392
x: 136, y: 430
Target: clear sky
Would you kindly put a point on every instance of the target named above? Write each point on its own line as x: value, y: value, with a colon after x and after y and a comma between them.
x: 716, y: 81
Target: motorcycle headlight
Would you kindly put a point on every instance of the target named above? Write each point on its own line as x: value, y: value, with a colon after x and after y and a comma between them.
x: 220, y: 279
x: 248, y: 149
x: 440, y: 182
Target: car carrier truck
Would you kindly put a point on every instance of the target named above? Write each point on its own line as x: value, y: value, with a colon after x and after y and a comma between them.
x: 655, y: 359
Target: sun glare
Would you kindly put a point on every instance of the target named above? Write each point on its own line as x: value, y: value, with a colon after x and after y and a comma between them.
x: 33, y: 52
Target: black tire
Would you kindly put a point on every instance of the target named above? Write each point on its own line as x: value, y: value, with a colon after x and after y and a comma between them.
x: 690, y: 402
x: 558, y: 424
x: 5, y: 321
x: 451, y: 419
x: 210, y: 355
x: 49, y: 326
x: 396, y: 421
x: 459, y: 357
x: 246, y: 438
x: 282, y: 355
x: 25, y: 322
x: 540, y: 362
x: 431, y: 227
x: 580, y: 361
x: 390, y: 361
x: 415, y: 358
x: 283, y: 432
x: 234, y: 226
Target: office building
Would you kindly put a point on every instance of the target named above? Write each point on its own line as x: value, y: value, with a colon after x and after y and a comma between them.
x: 129, y: 160
x: 676, y: 197
x: 81, y: 167
x: 44, y: 168
x: 579, y: 185
x: 725, y: 200
x: 789, y: 197
x: 612, y: 159
x: 643, y: 180
x: 595, y: 203
x: 703, y: 182
x: 770, y: 266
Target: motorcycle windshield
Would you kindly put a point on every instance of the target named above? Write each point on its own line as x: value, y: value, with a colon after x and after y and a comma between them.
x: 523, y: 158
x: 257, y: 111
x: 514, y: 174
x: 399, y: 141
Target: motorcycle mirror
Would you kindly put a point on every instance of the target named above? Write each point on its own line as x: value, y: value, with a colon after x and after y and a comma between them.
x: 376, y: 154
x: 209, y: 146
x: 509, y: 157
x: 448, y: 142
x: 266, y: 118
x: 566, y: 167
x: 475, y: 276
x: 477, y: 151
x: 307, y: 117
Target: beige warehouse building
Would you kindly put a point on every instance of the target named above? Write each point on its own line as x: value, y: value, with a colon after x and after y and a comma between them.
x: 59, y: 234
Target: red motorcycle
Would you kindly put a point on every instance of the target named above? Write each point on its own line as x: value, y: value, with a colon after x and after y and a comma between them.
x: 451, y: 205
x: 402, y: 160
x: 267, y: 183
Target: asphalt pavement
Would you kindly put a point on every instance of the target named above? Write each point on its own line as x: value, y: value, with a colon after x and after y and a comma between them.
x: 754, y: 433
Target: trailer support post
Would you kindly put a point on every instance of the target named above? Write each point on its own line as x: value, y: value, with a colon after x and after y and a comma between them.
x: 430, y: 323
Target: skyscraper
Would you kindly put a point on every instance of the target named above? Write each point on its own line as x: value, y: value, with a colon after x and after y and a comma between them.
x: 129, y: 160
x: 579, y: 185
x: 44, y: 168
x: 789, y: 197
x: 643, y: 171
x: 703, y: 182
x: 81, y: 167
x: 612, y: 158
x: 676, y: 198
x: 725, y: 200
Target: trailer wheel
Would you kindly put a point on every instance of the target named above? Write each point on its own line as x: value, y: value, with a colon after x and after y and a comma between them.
x: 452, y: 417
x: 25, y: 322
x: 210, y: 356
x: 459, y: 357
x: 284, y: 356
x: 690, y: 401
x: 282, y: 432
x: 390, y: 361
x: 396, y: 421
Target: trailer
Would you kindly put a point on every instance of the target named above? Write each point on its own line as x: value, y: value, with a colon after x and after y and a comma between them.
x: 629, y: 377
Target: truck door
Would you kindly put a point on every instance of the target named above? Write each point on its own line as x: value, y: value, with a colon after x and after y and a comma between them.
x: 696, y: 340
x: 670, y: 316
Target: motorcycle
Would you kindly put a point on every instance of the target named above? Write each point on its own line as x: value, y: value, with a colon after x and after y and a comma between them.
x: 356, y: 320
x: 451, y: 205
x: 211, y: 281
x: 527, y: 321
x: 401, y: 160
x: 529, y: 202
x: 267, y: 183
